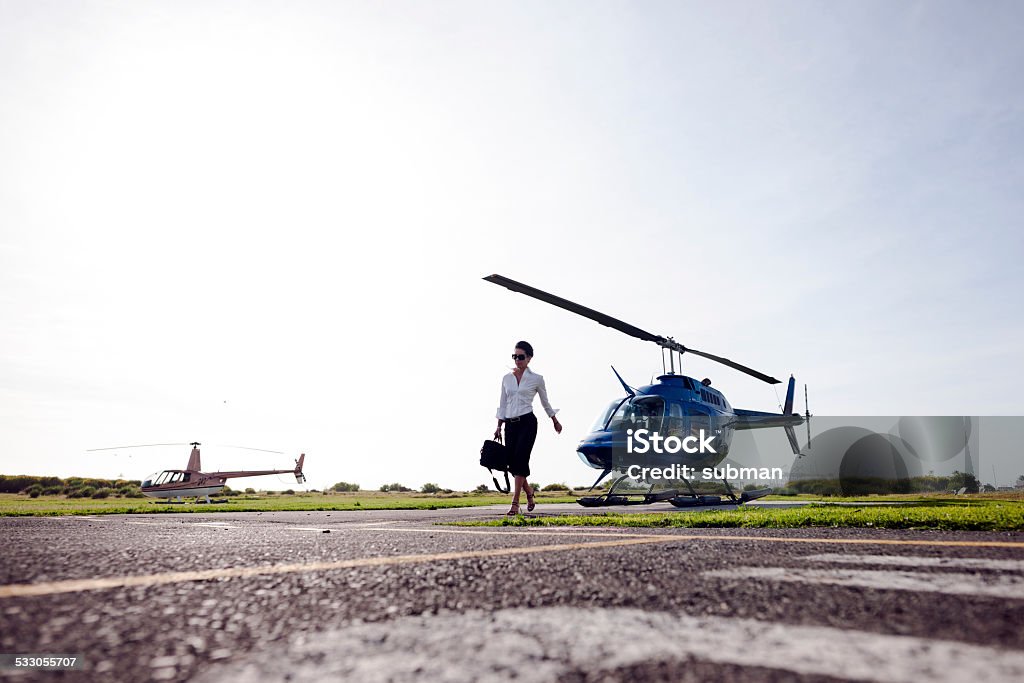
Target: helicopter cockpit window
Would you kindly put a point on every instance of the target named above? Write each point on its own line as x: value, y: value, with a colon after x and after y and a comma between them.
x: 640, y: 413
x: 148, y: 481
x: 648, y: 413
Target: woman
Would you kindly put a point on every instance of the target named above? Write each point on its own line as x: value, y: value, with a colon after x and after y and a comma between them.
x: 515, y: 411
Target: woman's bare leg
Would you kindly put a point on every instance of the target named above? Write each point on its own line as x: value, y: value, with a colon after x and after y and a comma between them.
x: 520, y: 483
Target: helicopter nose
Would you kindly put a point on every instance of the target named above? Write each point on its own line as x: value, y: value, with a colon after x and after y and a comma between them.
x: 596, y: 451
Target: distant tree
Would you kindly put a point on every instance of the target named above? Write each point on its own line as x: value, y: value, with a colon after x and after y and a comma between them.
x: 250, y: 490
x: 482, y: 488
x: 344, y: 486
x: 1020, y: 482
x: 396, y: 487
x: 961, y: 480
x: 430, y: 488
x: 555, y: 487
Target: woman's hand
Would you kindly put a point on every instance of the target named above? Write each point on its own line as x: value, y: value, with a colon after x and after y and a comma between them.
x: 558, y: 425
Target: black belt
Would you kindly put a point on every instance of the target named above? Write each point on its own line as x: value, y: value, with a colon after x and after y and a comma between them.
x: 520, y: 417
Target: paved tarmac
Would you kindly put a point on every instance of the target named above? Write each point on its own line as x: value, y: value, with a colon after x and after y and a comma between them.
x: 392, y: 596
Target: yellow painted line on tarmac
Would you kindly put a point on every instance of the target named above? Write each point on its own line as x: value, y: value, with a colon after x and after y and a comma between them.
x: 146, y: 580
x: 537, y: 531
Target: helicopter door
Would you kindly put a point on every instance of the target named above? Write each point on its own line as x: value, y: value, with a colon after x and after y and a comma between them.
x: 675, y: 421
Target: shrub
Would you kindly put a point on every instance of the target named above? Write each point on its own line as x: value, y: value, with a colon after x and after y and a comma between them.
x: 430, y: 488
x: 53, y: 490
x: 344, y: 486
x: 18, y: 483
x: 82, y: 492
x: 250, y: 490
x: 34, y: 490
x: 288, y: 492
x: 102, y: 493
x: 398, y: 488
x: 555, y: 487
x: 482, y: 488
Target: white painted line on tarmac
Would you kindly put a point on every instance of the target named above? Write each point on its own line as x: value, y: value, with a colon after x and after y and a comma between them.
x: 217, y: 525
x: 601, y: 531
x: 551, y: 642
x: 995, y: 586
x: 78, y: 585
x: 929, y: 562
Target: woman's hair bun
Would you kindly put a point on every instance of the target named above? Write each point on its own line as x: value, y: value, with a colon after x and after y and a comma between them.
x: 525, y: 346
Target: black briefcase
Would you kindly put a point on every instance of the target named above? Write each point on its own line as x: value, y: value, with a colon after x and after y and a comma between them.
x: 493, y: 457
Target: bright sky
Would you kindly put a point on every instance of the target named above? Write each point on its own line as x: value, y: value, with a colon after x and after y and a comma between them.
x: 266, y: 223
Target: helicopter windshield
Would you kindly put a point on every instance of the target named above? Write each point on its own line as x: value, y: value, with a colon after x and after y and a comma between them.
x: 602, y: 419
x: 148, y: 481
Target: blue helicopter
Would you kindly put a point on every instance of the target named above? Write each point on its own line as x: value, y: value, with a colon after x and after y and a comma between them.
x: 675, y: 407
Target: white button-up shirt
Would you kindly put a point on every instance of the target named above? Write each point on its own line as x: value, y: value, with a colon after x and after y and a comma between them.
x: 517, y: 397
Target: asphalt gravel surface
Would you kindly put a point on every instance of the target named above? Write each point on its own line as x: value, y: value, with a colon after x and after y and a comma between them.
x: 397, y: 596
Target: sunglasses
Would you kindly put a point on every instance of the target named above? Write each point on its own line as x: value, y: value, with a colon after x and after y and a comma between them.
x: 518, y: 356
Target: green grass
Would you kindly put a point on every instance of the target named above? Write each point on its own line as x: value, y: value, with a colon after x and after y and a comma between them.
x: 946, y: 515
x: 20, y: 505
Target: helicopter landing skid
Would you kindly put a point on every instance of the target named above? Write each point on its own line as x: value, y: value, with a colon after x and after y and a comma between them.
x: 608, y: 499
x: 692, y: 501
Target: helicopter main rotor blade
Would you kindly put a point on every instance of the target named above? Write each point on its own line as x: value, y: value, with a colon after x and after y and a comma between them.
x: 142, y: 445
x: 614, y: 323
x: 735, y: 366
x: 596, y: 316
x: 249, y: 448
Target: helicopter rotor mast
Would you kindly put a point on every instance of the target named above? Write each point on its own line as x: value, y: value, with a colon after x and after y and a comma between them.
x: 633, y: 331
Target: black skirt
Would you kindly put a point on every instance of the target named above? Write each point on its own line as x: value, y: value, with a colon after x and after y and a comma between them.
x: 519, y: 438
